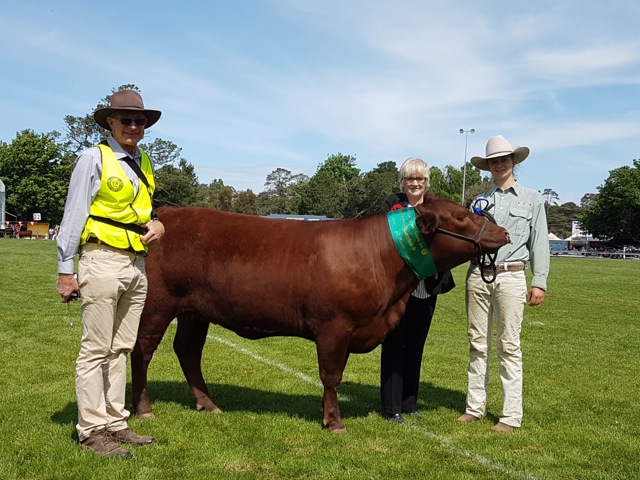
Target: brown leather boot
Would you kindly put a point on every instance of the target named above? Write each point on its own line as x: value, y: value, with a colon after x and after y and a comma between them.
x: 467, y: 418
x: 100, y: 443
x: 129, y: 436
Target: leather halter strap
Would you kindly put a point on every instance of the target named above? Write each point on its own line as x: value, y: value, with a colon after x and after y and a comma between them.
x: 482, y: 257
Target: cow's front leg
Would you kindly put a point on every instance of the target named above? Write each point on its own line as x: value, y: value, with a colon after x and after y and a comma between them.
x: 191, y: 336
x: 332, y: 359
x: 152, y: 329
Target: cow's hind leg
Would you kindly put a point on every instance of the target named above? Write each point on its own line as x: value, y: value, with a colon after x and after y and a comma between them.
x: 188, y: 344
x: 152, y: 329
x: 332, y: 360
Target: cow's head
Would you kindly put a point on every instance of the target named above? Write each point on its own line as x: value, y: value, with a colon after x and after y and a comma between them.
x: 456, y: 235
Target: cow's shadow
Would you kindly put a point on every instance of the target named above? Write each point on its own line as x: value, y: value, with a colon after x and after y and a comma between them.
x: 355, y: 400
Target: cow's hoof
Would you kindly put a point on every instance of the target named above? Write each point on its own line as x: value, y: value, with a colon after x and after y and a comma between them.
x: 201, y: 408
x: 145, y: 416
x: 337, y: 428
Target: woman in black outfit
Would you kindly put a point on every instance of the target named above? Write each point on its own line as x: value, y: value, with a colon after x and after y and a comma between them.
x: 401, y: 356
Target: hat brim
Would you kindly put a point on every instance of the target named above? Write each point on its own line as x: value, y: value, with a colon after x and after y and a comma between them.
x: 519, y: 155
x: 100, y: 115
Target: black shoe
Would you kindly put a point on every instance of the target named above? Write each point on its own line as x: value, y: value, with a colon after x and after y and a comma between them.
x: 413, y: 414
x: 394, y: 417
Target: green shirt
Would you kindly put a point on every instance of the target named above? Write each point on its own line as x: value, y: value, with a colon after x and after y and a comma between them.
x: 521, y: 211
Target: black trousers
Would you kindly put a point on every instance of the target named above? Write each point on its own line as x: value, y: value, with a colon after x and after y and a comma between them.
x: 401, y: 357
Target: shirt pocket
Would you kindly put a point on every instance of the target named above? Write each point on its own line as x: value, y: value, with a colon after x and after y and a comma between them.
x: 520, y: 220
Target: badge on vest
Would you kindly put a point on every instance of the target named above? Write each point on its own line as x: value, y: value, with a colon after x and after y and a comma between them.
x: 115, y: 184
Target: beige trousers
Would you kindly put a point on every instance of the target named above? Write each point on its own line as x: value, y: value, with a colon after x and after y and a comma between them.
x: 113, y: 289
x: 500, y: 303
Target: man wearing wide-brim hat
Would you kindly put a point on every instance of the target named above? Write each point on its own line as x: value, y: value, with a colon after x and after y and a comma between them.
x: 521, y: 211
x: 110, y: 223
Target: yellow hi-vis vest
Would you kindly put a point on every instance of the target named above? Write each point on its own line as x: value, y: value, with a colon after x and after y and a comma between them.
x: 116, y: 200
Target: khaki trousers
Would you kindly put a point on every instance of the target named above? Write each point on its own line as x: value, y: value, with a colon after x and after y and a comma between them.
x: 500, y: 303
x: 113, y: 289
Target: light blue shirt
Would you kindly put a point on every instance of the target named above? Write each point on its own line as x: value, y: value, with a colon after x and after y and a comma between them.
x: 521, y: 211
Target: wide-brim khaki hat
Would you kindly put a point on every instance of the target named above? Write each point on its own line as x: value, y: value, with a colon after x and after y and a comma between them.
x: 498, y: 146
x: 125, y: 100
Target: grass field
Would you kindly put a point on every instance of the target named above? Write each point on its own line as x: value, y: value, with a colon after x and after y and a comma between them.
x: 582, y: 388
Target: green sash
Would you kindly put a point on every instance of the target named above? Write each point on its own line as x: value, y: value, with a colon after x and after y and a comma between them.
x: 410, y: 243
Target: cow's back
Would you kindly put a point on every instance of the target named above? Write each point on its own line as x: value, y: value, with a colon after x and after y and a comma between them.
x: 262, y: 277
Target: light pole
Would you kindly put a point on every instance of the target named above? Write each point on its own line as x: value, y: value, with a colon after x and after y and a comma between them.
x: 464, y: 169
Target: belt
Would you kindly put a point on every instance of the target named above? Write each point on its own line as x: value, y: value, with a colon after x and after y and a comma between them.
x: 509, y: 266
x: 97, y: 241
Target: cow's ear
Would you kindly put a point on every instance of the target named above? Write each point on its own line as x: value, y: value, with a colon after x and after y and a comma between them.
x: 427, y: 223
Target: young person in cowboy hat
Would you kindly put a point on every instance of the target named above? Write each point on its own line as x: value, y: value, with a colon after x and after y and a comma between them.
x: 109, y: 221
x: 521, y: 211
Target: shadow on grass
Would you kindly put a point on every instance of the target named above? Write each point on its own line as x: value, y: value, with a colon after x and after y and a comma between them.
x: 356, y: 400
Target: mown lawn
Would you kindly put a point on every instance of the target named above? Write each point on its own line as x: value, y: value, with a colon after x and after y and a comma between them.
x: 582, y: 419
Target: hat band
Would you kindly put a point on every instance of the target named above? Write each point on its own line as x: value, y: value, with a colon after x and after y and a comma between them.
x: 501, y: 153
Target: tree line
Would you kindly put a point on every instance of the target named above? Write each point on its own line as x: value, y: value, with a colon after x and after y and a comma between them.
x: 36, y: 167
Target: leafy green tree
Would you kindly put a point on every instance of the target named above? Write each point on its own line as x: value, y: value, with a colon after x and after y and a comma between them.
x: 615, y: 212
x: 447, y: 183
x: 374, y: 186
x: 328, y: 192
x: 35, y: 175
x: 225, y: 198
x: 550, y: 197
x: 588, y: 199
x: 176, y: 186
x: 208, y: 194
x: 246, y: 202
x: 163, y: 152
x: 282, y: 193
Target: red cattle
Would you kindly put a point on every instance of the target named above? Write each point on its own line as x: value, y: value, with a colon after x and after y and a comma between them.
x: 340, y: 283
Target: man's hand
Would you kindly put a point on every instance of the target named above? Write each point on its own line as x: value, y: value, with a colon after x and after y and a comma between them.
x: 155, y: 231
x: 66, y: 286
x: 536, y: 296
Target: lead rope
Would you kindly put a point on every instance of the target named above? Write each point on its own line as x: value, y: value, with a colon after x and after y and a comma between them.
x: 483, y: 264
x: 485, y: 261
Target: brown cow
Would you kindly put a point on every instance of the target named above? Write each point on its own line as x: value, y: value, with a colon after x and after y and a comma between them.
x: 340, y: 283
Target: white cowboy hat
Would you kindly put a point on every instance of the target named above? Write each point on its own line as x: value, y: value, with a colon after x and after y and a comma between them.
x: 498, y: 146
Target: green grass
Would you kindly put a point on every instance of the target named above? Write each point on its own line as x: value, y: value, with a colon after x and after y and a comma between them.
x: 582, y: 414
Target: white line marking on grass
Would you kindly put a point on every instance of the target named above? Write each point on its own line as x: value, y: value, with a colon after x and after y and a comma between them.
x: 490, y: 464
x: 444, y: 442
x: 306, y: 378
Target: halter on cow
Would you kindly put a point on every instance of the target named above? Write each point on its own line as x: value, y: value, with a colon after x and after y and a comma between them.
x: 486, y: 260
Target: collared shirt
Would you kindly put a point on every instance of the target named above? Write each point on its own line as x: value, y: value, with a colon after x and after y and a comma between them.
x: 521, y: 211
x: 83, y: 187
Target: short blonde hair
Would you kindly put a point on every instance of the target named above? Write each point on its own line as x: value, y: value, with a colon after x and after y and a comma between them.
x: 414, y: 167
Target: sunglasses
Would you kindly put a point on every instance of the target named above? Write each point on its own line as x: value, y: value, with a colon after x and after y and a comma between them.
x: 128, y: 121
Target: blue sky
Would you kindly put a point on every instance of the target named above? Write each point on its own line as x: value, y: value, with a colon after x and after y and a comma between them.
x: 248, y: 86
